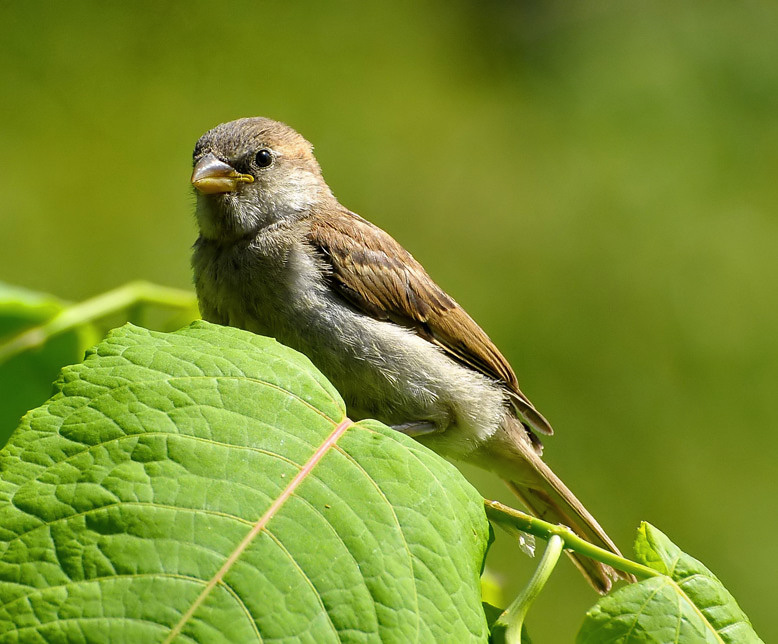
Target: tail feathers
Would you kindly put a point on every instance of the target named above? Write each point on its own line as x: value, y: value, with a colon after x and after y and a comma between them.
x: 511, y: 455
x: 542, y: 505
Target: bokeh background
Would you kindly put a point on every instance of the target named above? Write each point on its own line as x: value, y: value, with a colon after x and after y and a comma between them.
x: 595, y: 182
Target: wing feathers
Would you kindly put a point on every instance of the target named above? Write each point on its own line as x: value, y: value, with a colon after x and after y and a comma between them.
x: 379, y: 277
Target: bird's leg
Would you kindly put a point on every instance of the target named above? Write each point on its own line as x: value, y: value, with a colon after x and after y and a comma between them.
x: 417, y: 428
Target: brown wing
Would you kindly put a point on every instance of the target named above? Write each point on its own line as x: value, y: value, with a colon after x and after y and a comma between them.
x: 378, y: 276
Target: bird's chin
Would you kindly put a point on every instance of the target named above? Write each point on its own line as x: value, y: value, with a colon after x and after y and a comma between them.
x: 221, y: 217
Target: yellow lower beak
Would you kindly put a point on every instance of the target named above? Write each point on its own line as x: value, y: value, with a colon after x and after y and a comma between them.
x: 212, y: 176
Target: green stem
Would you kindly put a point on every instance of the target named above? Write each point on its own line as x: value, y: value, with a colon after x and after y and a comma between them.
x: 92, y: 309
x: 514, y: 520
x: 511, y: 621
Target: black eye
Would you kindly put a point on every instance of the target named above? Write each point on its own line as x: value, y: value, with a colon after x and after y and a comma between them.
x: 264, y: 158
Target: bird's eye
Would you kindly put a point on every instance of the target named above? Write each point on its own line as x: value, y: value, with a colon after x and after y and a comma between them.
x: 263, y: 158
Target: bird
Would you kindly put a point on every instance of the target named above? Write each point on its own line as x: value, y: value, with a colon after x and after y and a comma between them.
x: 278, y: 255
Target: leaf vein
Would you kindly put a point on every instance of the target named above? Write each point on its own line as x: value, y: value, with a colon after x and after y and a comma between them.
x: 150, y: 504
x: 305, y: 576
x: 396, y: 522
x: 261, y: 524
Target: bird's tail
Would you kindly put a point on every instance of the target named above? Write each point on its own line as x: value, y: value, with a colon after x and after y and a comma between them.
x: 512, y: 456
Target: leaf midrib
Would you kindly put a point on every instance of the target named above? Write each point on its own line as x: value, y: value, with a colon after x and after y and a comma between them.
x: 328, y: 443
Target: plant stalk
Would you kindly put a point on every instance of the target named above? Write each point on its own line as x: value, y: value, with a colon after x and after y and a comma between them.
x: 92, y: 309
x: 514, y: 520
x: 509, y: 625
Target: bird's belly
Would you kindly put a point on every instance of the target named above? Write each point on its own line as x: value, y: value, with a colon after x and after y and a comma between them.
x: 389, y: 373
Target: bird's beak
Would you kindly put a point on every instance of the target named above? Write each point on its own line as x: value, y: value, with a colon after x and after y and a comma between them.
x: 211, y: 176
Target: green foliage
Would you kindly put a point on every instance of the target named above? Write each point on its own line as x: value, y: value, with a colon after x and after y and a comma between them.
x: 206, y: 484
x: 25, y: 379
x: 40, y: 334
x: 685, y: 604
x: 124, y: 495
x: 593, y: 181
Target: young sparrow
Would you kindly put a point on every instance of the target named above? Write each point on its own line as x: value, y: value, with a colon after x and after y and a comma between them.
x: 280, y: 256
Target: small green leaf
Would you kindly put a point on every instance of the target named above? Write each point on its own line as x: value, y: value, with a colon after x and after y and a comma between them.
x: 685, y: 604
x: 25, y: 378
x: 145, y: 502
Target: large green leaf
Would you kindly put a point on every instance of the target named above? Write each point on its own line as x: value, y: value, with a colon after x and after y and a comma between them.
x: 25, y: 378
x: 149, y: 500
x: 685, y: 604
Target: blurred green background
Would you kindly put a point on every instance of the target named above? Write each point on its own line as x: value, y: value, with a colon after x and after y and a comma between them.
x: 595, y: 182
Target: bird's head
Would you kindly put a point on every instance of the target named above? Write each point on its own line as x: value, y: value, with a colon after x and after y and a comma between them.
x: 251, y: 173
